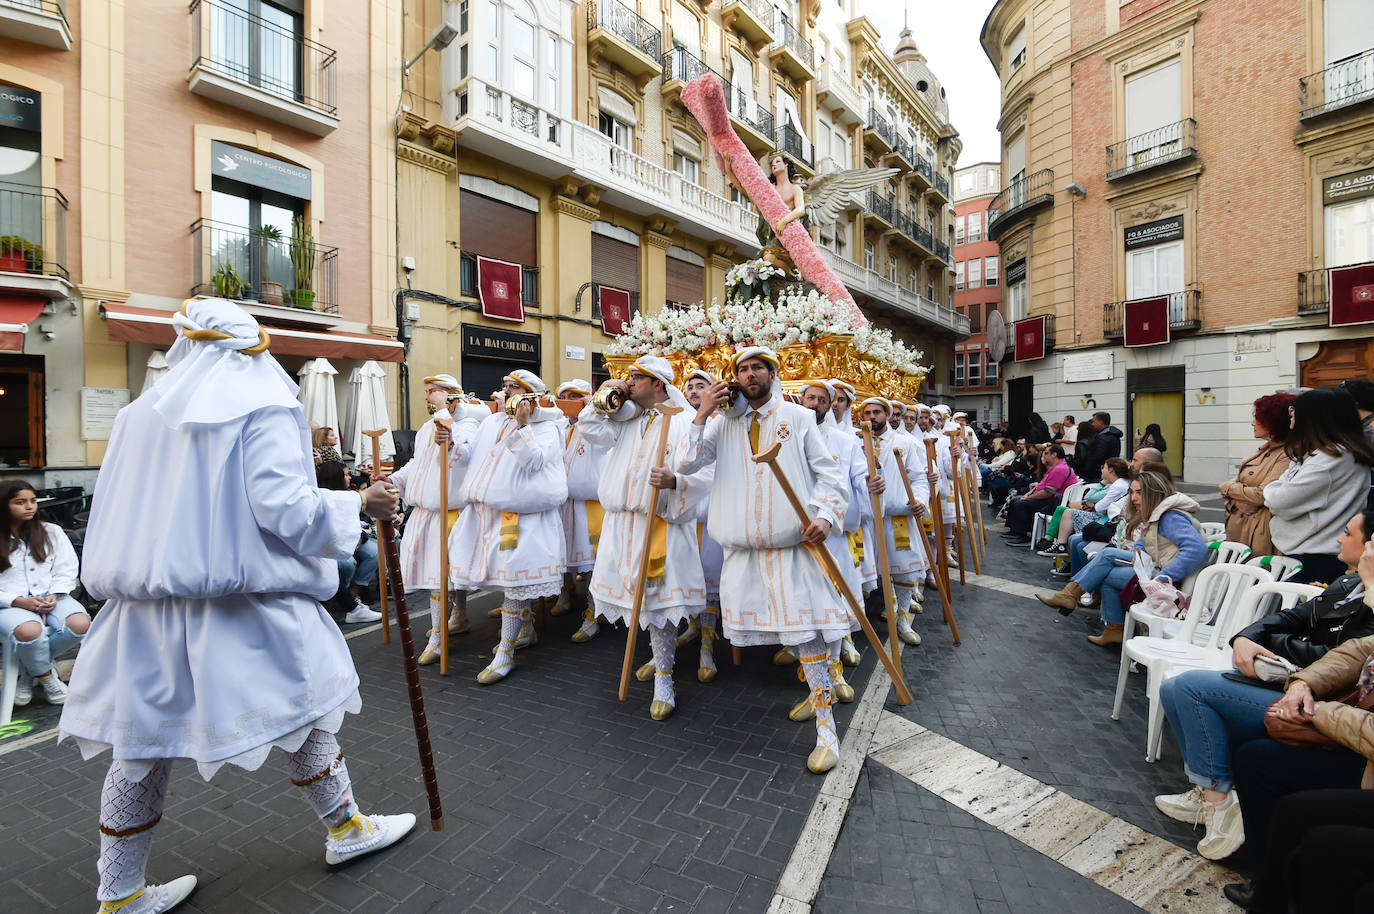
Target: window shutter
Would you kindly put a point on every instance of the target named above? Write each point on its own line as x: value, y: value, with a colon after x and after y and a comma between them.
x: 1154, y: 98
x: 615, y: 263
x: 686, y: 281
x: 492, y: 228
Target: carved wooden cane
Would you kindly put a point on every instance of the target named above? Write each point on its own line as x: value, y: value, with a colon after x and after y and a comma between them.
x: 966, y: 501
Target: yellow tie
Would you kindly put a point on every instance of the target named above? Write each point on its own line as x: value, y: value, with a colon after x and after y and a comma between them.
x: 650, y: 415
x: 754, y: 433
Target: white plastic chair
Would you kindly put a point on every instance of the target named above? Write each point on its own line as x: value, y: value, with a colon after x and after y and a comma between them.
x: 9, y: 684
x: 1042, y: 521
x: 1221, y: 590
x: 1282, y: 567
x: 1228, y: 552
x: 1213, y: 531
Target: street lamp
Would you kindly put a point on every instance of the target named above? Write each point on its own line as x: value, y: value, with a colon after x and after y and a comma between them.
x: 443, y: 37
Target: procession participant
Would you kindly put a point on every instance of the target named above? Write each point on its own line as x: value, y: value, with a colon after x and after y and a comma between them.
x: 212, y: 645
x: 843, y: 407
x: 581, y: 513
x: 971, y: 453
x: 509, y: 536
x: 419, y: 484
x: 909, y: 423
x: 906, y: 551
x: 942, y: 475
x: 705, y: 624
x: 894, y: 418
x: 675, y: 587
x: 771, y: 591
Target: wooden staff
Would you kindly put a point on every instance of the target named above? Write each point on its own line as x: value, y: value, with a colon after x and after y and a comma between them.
x: 443, y: 546
x: 417, y: 701
x: 958, y: 518
x: 972, y: 471
x: 966, y: 499
x: 937, y: 512
x: 822, y: 555
x: 666, y: 413
x: 939, y: 582
x: 880, y: 534
x: 376, y: 436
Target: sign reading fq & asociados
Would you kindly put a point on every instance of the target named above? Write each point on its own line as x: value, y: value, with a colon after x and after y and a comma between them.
x: 21, y: 109
x: 254, y: 168
x: 500, y: 345
x: 1157, y: 232
x: 1353, y: 186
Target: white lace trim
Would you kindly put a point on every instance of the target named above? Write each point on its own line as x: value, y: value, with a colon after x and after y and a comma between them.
x: 534, y: 591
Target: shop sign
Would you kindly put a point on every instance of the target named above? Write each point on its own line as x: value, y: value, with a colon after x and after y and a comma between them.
x: 99, y: 406
x: 500, y: 345
x: 1353, y: 186
x: 1016, y: 272
x: 1157, y: 232
x: 253, y: 168
x: 21, y: 109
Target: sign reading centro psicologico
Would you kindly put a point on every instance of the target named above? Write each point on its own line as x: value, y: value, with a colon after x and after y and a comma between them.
x: 254, y: 168
x: 501, y: 345
x: 1157, y: 232
x: 1353, y: 186
x: 21, y: 109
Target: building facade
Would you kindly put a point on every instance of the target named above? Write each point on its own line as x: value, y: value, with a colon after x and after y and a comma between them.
x: 552, y: 135
x: 1185, y: 222
x: 977, y: 293
x: 236, y: 149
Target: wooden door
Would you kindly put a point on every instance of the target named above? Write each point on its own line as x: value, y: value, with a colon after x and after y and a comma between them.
x: 1167, y: 410
x: 1337, y: 360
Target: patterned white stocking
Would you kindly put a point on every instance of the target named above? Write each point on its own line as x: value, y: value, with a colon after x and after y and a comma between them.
x: 128, y: 812
x: 318, y: 767
x: 708, y: 639
x: 513, y: 613
x: 664, y: 643
x: 815, y: 661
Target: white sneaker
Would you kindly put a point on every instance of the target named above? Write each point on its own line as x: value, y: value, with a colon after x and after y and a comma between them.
x: 362, y: 835
x: 1184, y: 807
x: 54, y: 689
x: 1225, y: 829
x: 361, y: 613
x: 154, y: 899
x: 23, y: 690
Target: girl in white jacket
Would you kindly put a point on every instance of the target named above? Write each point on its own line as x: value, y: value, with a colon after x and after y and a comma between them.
x: 38, y: 571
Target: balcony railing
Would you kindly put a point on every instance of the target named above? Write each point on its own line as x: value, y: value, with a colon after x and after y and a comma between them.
x: 864, y: 282
x: 1020, y: 196
x: 467, y: 279
x: 879, y: 206
x: 920, y: 165
x: 247, y: 48
x: 1346, y: 82
x: 942, y: 185
x: 904, y: 224
x: 941, y: 250
x: 1170, y: 143
x: 33, y: 230
x: 230, y: 261
x: 746, y: 108
x: 791, y: 38
x: 1314, y: 296
x: 39, y: 21
x: 881, y: 127
x: 624, y: 22
x: 1185, y: 312
x: 904, y: 149
x: 682, y: 65
x: 790, y: 141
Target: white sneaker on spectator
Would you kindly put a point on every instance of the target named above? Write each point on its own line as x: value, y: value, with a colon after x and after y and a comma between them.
x: 154, y: 899
x: 361, y: 613
x: 362, y: 835
x: 23, y: 690
x: 1225, y: 830
x: 54, y: 689
x: 1183, y: 807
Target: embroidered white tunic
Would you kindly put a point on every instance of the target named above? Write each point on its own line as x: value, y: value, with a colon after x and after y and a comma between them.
x: 848, y: 453
x: 519, y: 471
x: 945, y: 466
x: 771, y: 589
x: 583, y: 462
x: 625, y: 494
x: 419, y: 481
x: 905, y: 563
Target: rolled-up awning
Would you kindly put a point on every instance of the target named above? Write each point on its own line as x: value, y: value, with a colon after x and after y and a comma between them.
x: 128, y: 324
x: 17, y: 311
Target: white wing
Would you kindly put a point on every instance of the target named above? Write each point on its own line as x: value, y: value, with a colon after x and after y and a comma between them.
x: 825, y: 196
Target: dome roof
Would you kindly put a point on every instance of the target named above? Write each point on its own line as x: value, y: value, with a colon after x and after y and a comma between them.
x: 923, y: 80
x: 906, y: 47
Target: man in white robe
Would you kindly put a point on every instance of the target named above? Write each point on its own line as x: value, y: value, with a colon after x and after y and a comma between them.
x: 941, y: 478
x: 213, y: 645
x: 675, y: 588
x: 772, y: 591
x: 581, y: 513
x: 510, y: 536
x: 704, y: 625
x: 419, y: 483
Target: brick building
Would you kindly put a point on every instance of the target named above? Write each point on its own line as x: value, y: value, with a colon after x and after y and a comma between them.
x: 1184, y: 182
x: 977, y: 292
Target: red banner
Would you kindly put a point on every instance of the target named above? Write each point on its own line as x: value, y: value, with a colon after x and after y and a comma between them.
x: 1029, y: 335
x: 1145, y: 321
x: 498, y: 288
x: 1352, y: 295
x: 615, y: 310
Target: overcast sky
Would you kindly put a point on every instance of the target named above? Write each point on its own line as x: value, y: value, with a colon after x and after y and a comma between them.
x: 947, y: 34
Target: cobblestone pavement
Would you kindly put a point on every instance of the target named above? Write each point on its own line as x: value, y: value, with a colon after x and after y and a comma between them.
x: 558, y: 797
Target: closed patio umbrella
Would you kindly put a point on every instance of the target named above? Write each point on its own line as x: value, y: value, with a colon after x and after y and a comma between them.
x: 157, y: 367
x: 371, y: 413
x: 317, y: 394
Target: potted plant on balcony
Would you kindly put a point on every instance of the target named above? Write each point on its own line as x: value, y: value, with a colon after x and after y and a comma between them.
x: 226, y: 282
x: 302, y: 263
x: 267, y: 237
x: 18, y: 255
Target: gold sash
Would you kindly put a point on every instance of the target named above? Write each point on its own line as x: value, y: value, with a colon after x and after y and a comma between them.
x: 901, y: 532
x: 658, y: 549
x: 856, y: 546
x: 596, y: 516
x: 510, y: 530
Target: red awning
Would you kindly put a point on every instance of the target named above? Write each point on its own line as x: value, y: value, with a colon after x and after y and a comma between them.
x: 16, y: 313
x: 128, y: 324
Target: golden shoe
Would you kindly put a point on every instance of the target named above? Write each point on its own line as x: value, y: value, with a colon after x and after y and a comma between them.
x: 458, y: 625
x: 849, y: 655
x: 842, y: 691
x: 803, y: 711
x: 646, y: 672
x: 562, y: 605
x: 784, y: 657
x: 660, y: 710
x: 706, y: 674
x: 821, y: 760
x: 917, y: 608
x: 527, y: 639
x: 491, y: 676
x: 908, y: 636
x: 583, y: 635
x: 431, y: 652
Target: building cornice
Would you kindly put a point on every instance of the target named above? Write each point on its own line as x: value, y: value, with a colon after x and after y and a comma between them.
x: 426, y: 158
x: 1177, y: 18
x: 575, y: 208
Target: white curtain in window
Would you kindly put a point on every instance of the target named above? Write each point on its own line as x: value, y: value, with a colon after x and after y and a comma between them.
x: 788, y: 114
x: 686, y: 31
x: 1016, y: 157
x: 1349, y: 29
x: 1154, y: 98
x: 1350, y: 233
x: 1016, y: 47
x: 1156, y: 270
x: 742, y: 79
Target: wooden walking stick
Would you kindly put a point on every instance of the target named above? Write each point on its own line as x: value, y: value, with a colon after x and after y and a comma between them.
x: 937, y: 512
x: 666, y: 413
x: 443, y: 547
x: 939, y: 584
x: 822, y: 555
x: 880, y: 534
x: 972, y: 471
x: 961, y: 510
x: 417, y: 701
x: 376, y: 436
x: 965, y: 496
x: 958, y: 520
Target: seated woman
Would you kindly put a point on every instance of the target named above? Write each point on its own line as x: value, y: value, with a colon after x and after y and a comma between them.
x: 1024, y: 472
x: 1101, y: 504
x: 1247, y: 516
x: 38, y: 571
x: 1211, y: 714
x: 1159, y: 522
x: 360, y: 570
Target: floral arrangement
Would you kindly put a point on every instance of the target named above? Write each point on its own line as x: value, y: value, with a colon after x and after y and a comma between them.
x: 744, y: 276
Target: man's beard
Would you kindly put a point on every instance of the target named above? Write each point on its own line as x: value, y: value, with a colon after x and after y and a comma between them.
x: 755, y: 390
x: 821, y: 414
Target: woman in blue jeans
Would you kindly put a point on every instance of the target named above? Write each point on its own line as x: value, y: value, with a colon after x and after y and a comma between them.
x: 1160, y: 523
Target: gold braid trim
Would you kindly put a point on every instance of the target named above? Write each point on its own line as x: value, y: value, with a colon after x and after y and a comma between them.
x: 126, y: 832
x: 202, y: 336
x: 315, y: 777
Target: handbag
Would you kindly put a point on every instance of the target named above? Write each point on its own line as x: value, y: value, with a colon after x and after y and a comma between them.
x: 1305, y: 733
x: 1095, y: 532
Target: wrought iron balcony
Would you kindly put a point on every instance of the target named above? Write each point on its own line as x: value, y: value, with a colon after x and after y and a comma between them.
x: 33, y: 230
x: 921, y: 168
x: 253, y: 63
x: 902, y: 153
x: 230, y: 261
x: 753, y: 19
x: 467, y: 279
x: 1314, y: 296
x: 879, y: 207
x: 1185, y: 312
x: 1344, y: 83
x: 790, y: 141
x: 619, y: 34
x: 681, y: 65
x: 37, y: 21
x: 792, y: 52
x: 1170, y: 143
x: 745, y: 109
x: 1021, y: 197
x: 879, y: 131
x: 941, y: 250
x: 942, y: 185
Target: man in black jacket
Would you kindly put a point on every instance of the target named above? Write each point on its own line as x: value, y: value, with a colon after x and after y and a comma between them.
x: 1106, y: 443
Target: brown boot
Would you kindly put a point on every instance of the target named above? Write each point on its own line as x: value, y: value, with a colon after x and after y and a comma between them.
x: 1111, y: 634
x: 1066, y: 600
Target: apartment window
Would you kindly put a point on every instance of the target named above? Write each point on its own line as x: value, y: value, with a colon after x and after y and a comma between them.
x: 522, y: 66
x: 975, y: 274
x: 1350, y: 233
x: 990, y: 271
x: 959, y: 276
x: 463, y: 18
x: 930, y: 290
x: 966, y: 182
x: 958, y: 229
x: 688, y: 167
x: 494, y: 63
x: 892, y: 270
x: 1154, y: 101
x: 868, y: 256
x: 975, y: 318
x: 1016, y: 51
x: 1017, y: 291
x: 975, y: 227
x: 974, y: 373
x: 1016, y: 158
x: 621, y: 133
x: 1349, y: 33
x: 258, y: 42
x: 991, y: 379
x: 958, y: 369
x: 913, y: 281
x: 462, y: 62
x: 493, y: 19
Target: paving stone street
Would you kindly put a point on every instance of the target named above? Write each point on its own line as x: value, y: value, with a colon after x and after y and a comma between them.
x: 558, y: 797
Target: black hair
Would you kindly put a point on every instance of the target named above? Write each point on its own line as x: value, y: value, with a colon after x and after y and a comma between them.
x: 1326, y: 420
x: 1362, y: 389
x: 1104, y: 417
